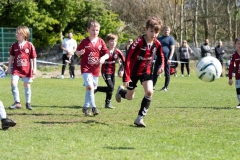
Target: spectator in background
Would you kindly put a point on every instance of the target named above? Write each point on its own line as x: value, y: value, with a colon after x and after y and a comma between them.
x: 168, y: 48
x: 185, y: 52
x: 206, y: 50
x: 130, y: 41
x: 69, y: 46
x: 219, y: 53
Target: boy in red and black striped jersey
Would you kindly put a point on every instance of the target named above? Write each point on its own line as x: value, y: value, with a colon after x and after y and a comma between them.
x: 138, y: 66
x: 108, y: 69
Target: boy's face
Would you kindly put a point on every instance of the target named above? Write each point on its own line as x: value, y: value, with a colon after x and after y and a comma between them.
x: 112, y: 43
x: 93, y: 31
x: 19, y: 37
x: 151, y: 34
x: 237, y: 45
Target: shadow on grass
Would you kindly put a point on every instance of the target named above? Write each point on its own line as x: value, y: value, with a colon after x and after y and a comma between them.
x: 68, y: 122
x: 216, y: 108
x: 119, y: 148
x: 41, y: 114
x: 71, y: 107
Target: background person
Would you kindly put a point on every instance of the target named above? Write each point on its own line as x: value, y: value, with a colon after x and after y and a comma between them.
x: 69, y: 46
x: 206, y: 50
x: 219, y: 51
x: 185, y: 52
x: 130, y: 41
x: 168, y: 48
x: 70, y: 61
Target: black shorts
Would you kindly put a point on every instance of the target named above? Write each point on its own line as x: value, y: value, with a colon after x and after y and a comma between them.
x: 134, y: 80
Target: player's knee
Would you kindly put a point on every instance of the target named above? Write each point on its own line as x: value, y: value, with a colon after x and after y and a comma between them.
x: 110, y: 89
x: 88, y: 87
x: 149, y: 93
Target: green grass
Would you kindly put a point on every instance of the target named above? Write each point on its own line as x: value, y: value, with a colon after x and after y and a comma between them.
x: 193, y: 120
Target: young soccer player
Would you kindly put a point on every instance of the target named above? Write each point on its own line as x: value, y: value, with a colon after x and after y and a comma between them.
x: 22, y: 60
x: 138, y: 66
x: 235, y: 59
x: 108, y: 69
x: 6, y: 123
x: 93, y: 52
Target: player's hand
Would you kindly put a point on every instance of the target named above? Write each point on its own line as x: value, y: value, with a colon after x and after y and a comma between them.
x: 126, y: 84
x: 230, y: 82
x: 169, y: 61
x: 34, y: 72
x: 160, y: 71
x: 9, y: 70
x: 120, y: 74
x: 102, y: 60
x: 81, y: 52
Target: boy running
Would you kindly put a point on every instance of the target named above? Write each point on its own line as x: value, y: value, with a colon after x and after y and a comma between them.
x: 138, y: 67
x: 108, y: 69
x: 93, y: 52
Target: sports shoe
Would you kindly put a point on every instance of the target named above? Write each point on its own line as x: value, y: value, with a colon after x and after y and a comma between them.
x: 238, y: 106
x: 85, y: 110
x: 139, y: 121
x: 164, y: 89
x: 15, y: 105
x: 109, y: 105
x: 95, y: 111
x: 118, y: 96
x: 62, y: 77
x: 6, y: 123
x: 28, y: 106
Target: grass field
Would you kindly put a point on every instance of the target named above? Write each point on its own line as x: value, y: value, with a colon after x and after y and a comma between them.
x: 193, y: 120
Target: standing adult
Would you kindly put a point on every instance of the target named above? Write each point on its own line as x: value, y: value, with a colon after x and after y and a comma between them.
x: 206, y: 50
x: 168, y: 47
x: 69, y: 46
x: 185, y: 52
x: 219, y: 53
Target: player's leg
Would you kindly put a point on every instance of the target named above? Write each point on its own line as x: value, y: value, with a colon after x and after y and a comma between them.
x: 15, y: 92
x: 102, y: 88
x: 87, y: 82
x: 237, y: 83
x: 148, y: 90
x: 6, y: 123
x: 28, y: 92
x: 64, y: 57
x: 110, y: 86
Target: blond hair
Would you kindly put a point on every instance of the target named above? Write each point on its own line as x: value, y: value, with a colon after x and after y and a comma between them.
x: 93, y: 23
x: 23, y: 31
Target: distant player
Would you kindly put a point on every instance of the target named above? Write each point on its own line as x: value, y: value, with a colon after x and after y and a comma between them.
x: 235, y: 60
x: 108, y: 69
x: 6, y: 122
x: 93, y: 52
x: 138, y: 66
x: 22, y: 61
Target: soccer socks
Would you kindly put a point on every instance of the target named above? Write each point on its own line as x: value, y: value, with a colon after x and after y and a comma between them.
x: 144, y: 106
x: 102, y: 89
x: 123, y: 93
x: 89, y: 99
x: 15, y: 93
x: 28, y: 94
x: 3, y: 114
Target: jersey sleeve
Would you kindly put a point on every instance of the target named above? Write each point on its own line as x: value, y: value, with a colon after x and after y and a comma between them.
x: 11, y: 51
x: 80, y: 46
x: 33, y: 53
x: 104, y: 49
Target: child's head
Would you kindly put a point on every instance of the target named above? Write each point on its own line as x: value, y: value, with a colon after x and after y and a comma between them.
x: 111, y: 40
x: 237, y: 44
x: 93, y: 28
x: 22, y: 33
x: 153, y: 27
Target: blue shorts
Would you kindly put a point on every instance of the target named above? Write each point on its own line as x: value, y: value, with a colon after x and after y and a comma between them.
x: 24, y: 79
x: 90, y: 80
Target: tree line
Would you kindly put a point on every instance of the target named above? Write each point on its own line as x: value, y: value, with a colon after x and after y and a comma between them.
x: 193, y: 20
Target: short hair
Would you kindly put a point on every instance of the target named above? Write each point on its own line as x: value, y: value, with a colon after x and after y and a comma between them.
x: 93, y: 23
x: 111, y: 36
x: 237, y: 39
x: 155, y: 23
x: 23, y: 31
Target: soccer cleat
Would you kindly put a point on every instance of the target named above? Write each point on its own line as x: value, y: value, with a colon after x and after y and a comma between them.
x: 28, y: 106
x: 238, y: 106
x: 164, y: 89
x: 15, y: 105
x: 118, y: 96
x: 6, y: 123
x: 85, y: 110
x: 109, y: 105
x: 95, y: 111
x: 139, y: 121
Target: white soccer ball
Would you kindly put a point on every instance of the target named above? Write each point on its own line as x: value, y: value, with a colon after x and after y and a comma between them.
x: 208, y: 69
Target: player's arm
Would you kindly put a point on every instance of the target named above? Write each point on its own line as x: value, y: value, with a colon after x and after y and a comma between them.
x: 34, y: 66
x: 10, y: 61
x: 80, y: 49
x: 230, y: 71
x: 160, y: 54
